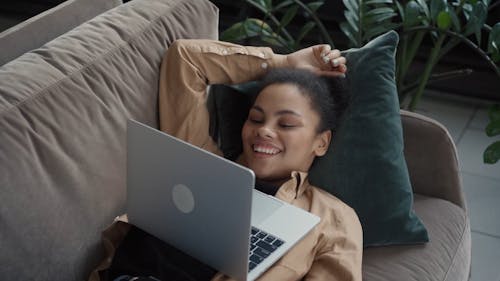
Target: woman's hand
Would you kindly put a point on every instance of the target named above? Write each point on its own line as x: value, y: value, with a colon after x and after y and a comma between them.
x: 320, y: 59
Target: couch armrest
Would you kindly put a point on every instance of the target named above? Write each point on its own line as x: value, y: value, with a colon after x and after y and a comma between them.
x: 432, y: 158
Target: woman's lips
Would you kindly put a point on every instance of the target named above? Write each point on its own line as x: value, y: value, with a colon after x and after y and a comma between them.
x: 265, y: 150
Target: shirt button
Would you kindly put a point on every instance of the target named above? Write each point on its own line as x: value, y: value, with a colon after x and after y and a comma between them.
x: 224, y: 52
x: 264, y: 65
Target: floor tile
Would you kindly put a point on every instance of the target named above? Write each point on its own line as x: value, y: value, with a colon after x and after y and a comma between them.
x: 454, y: 115
x: 470, y: 152
x: 482, y: 195
x: 480, y: 119
x: 485, y: 257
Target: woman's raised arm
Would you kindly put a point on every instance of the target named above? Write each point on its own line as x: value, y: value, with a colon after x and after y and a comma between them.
x: 190, y: 65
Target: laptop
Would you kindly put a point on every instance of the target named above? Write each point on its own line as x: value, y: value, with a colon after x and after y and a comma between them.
x: 206, y: 205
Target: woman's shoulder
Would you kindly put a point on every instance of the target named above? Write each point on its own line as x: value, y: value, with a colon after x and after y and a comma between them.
x: 326, y: 203
x: 334, y: 212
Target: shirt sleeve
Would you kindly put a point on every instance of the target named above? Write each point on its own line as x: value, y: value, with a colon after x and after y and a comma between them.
x: 188, y: 67
x: 341, y: 258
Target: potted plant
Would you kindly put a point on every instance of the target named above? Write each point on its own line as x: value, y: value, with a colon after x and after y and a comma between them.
x: 492, y: 153
x: 445, y: 23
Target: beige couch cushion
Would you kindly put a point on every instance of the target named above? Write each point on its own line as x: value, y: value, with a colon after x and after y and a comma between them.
x: 38, y: 30
x: 445, y: 258
x: 63, y: 111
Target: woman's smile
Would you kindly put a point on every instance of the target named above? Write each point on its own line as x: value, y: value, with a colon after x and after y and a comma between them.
x: 263, y: 149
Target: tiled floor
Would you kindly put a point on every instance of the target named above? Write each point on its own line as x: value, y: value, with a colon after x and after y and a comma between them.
x: 466, y: 120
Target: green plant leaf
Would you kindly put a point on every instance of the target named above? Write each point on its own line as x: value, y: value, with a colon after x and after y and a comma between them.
x: 347, y: 29
x: 493, y: 128
x: 314, y: 6
x: 494, y: 112
x: 256, y: 27
x: 444, y: 20
x: 289, y: 15
x: 371, y: 20
x: 412, y: 13
x: 380, y: 11
x: 476, y: 20
x: 274, y: 40
x: 467, y: 10
x: 234, y: 33
x: 492, y: 153
x: 454, y: 20
x: 352, y: 20
x: 376, y: 2
x: 304, y: 30
x: 283, y: 4
x: 351, y: 5
x: 437, y: 6
x: 401, y: 10
x: 376, y: 16
x: 259, y: 3
x: 494, y: 42
x: 268, y: 4
x: 425, y: 8
x: 379, y: 29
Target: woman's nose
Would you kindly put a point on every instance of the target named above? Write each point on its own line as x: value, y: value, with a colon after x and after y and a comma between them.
x: 265, y: 132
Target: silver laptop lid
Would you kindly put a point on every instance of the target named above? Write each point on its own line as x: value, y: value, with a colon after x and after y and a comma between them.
x: 166, y: 200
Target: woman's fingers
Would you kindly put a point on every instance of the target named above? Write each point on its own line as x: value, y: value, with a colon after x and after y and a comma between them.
x: 334, y: 65
x: 325, y: 49
x: 342, y: 68
x: 324, y: 60
x: 330, y: 55
x: 336, y: 62
x: 333, y: 59
x: 320, y: 52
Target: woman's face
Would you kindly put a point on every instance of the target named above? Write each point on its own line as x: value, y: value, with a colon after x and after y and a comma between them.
x: 280, y: 134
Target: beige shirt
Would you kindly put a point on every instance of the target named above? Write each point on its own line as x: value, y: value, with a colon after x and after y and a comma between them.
x: 333, y: 249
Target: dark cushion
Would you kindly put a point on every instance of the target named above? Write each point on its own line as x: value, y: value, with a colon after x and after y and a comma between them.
x: 365, y: 165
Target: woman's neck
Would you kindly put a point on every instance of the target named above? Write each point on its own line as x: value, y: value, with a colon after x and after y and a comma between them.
x: 275, y: 182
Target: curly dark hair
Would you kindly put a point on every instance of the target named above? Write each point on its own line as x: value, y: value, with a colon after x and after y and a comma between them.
x: 328, y: 96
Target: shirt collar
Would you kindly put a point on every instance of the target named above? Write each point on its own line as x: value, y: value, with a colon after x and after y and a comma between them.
x: 291, y: 189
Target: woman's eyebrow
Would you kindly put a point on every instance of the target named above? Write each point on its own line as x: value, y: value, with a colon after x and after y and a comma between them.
x: 281, y: 112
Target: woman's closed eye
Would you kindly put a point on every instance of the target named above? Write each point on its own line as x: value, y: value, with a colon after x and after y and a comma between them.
x: 287, y: 125
x: 289, y: 122
x: 256, y: 120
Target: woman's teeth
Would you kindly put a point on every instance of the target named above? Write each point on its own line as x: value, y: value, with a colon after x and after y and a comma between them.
x: 266, y: 150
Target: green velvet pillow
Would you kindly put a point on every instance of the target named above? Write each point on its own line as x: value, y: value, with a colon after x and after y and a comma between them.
x: 365, y: 165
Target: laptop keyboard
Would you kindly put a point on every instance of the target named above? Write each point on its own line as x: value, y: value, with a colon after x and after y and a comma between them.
x: 262, y: 244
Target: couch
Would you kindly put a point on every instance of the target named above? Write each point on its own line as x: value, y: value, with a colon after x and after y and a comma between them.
x: 38, y: 30
x: 63, y: 112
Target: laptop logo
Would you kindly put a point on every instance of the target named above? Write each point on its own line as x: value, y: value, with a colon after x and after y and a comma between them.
x: 183, y: 198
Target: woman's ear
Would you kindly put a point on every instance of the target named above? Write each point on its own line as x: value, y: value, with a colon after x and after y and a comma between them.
x: 322, y: 142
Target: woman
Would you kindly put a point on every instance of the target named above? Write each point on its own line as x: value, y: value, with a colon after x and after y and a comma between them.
x: 287, y: 127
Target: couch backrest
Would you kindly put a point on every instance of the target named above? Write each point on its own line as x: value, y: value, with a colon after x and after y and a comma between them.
x: 63, y: 112
x: 40, y: 29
